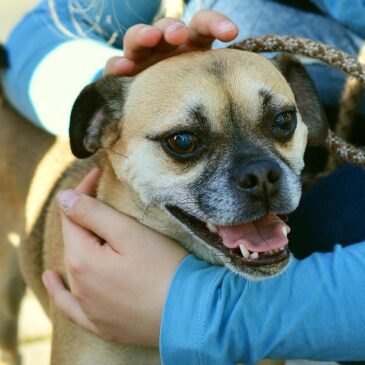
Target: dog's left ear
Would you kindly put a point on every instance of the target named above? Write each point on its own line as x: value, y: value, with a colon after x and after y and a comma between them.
x: 306, y: 96
x: 4, y: 61
x: 96, y: 115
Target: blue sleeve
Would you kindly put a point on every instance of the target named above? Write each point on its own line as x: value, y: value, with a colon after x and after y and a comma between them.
x: 315, y: 310
x: 59, y: 47
x: 349, y: 13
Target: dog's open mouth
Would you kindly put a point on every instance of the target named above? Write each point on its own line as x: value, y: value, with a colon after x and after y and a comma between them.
x: 257, y: 243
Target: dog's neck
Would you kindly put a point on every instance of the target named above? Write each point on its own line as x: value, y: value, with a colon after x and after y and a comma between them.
x: 118, y: 194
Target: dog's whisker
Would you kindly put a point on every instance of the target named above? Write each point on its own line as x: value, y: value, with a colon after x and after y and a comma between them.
x: 117, y: 153
x: 145, y: 214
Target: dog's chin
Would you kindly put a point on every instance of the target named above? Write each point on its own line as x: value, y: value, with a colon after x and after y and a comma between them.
x: 251, y: 264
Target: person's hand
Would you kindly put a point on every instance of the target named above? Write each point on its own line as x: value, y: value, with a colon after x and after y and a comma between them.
x: 118, y: 270
x: 145, y: 45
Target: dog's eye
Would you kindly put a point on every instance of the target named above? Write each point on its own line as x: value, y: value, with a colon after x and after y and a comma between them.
x: 183, y: 143
x: 285, y: 123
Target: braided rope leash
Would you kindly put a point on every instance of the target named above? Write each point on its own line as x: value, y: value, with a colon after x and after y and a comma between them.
x: 350, y: 100
x: 329, y: 55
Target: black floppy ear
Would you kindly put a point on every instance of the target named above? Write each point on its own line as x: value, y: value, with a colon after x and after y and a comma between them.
x: 4, y: 62
x: 306, y: 96
x: 96, y: 115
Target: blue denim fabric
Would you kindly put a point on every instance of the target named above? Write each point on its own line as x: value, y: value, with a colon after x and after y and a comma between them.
x: 261, y: 17
x: 329, y: 213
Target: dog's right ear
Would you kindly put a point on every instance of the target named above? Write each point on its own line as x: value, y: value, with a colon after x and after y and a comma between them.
x: 96, y: 115
x: 306, y: 96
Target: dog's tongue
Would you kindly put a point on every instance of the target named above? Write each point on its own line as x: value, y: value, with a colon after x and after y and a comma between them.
x: 267, y: 233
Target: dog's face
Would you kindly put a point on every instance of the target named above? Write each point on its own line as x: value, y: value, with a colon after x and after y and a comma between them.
x: 216, y: 140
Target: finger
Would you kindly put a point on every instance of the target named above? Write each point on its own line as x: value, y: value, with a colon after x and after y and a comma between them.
x: 84, y: 252
x: 119, y: 66
x: 65, y: 301
x: 89, y: 182
x: 208, y: 25
x: 97, y: 217
x: 78, y: 241
x: 79, y: 247
x: 175, y: 34
x: 139, y: 40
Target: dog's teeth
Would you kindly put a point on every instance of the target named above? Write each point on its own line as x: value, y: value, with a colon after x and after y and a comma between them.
x: 212, y: 228
x: 244, y: 251
x: 282, y: 248
x: 285, y: 230
x: 254, y: 255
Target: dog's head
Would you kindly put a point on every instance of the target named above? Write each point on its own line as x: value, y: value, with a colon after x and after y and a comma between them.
x: 216, y: 140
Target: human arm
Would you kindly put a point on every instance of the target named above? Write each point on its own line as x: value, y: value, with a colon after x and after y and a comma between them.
x: 314, y: 310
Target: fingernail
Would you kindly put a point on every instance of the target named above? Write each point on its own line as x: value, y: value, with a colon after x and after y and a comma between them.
x: 66, y: 199
x: 122, y: 61
x: 147, y: 28
x: 226, y: 26
x: 171, y: 28
x: 45, y: 279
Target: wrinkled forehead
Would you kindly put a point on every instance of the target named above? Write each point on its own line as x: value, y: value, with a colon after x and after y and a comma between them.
x: 213, y: 81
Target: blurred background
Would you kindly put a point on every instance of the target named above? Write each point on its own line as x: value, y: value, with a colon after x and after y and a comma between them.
x: 35, y: 330
x: 11, y: 12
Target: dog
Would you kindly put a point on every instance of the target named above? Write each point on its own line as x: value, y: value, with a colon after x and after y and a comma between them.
x: 205, y: 147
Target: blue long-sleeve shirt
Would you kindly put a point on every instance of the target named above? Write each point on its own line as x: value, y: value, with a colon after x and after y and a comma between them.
x: 315, y: 310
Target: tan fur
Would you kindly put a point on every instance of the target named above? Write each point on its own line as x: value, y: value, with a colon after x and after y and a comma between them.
x: 32, y: 162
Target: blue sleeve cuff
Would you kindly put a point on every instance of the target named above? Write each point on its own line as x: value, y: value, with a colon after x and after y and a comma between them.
x: 186, y: 302
x: 188, y: 322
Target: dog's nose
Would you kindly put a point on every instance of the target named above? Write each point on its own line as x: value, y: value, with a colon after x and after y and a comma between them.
x: 261, y: 179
